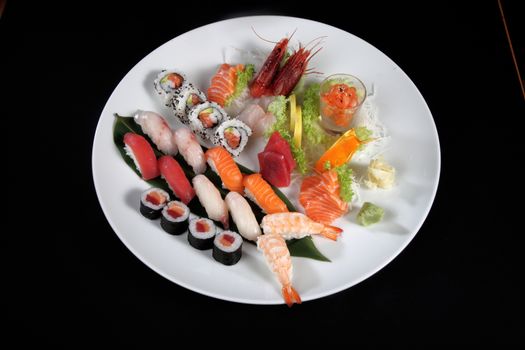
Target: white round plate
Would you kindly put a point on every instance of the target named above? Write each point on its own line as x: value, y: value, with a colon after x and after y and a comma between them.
x: 413, y: 151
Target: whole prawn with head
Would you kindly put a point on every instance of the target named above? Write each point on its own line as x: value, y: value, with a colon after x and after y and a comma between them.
x: 274, y: 80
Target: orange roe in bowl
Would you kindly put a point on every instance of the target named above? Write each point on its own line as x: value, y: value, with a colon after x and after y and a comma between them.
x: 340, y: 100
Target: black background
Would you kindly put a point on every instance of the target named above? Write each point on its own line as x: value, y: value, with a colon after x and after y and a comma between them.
x: 71, y: 282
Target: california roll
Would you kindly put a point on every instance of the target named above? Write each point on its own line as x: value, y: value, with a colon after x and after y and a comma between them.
x: 233, y: 136
x: 205, y: 118
x: 168, y: 83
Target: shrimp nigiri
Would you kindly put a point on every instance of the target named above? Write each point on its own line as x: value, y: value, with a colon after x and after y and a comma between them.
x: 262, y: 194
x: 190, y: 149
x: 155, y: 126
x: 243, y: 216
x: 297, y: 225
x: 278, y: 259
x: 222, y: 163
x: 211, y: 199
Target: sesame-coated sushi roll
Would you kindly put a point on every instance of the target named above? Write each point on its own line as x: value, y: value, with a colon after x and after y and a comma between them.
x: 227, y: 247
x: 174, y: 218
x: 201, y: 233
x: 205, y: 118
x: 167, y: 83
x: 233, y: 136
x: 185, y: 99
x: 152, y: 201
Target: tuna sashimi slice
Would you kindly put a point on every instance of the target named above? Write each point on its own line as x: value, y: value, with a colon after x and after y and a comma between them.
x: 278, y: 144
x: 274, y: 169
x: 140, y: 150
x: 172, y: 172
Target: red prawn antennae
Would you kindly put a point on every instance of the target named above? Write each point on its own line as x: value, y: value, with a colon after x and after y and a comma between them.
x: 320, y: 38
x: 312, y: 55
x: 291, y: 36
x: 263, y: 39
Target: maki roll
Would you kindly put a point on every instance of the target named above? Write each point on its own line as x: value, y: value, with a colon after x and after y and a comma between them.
x: 185, y: 99
x: 227, y: 247
x: 152, y: 201
x: 167, y: 83
x: 174, y: 219
x: 201, y: 233
x: 205, y: 118
x: 232, y: 135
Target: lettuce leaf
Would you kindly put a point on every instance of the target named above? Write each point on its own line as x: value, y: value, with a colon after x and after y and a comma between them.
x: 345, y: 176
x: 312, y: 131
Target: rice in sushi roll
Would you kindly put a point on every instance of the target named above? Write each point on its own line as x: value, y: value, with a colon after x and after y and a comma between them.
x: 201, y: 233
x: 168, y: 83
x: 185, y: 99
x: 152, y: 201
x: 174, y: 219
x: 227, y: 247
x: 232, y: 135
x: 205, y: 118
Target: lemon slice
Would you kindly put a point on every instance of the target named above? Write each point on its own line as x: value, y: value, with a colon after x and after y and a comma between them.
x: 298, y: 129
x: 293, y: 111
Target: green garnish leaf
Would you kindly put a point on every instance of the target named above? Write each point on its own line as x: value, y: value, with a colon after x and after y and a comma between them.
x: 345, y: 177
x: 312, y: 131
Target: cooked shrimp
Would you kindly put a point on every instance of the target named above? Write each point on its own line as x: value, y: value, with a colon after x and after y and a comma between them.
x: 297, y: 225
x: 279, y: 261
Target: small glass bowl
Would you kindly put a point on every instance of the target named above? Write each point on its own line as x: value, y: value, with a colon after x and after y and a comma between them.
x: 341, y: 97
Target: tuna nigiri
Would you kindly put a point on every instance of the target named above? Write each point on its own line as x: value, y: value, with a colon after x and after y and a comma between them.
x: 190, y: 149
x: 296, y: 225
x: 222, y: 163
x: 139, y: 149
x: 262, y: 194
x: 320, y: 198
x: 243, y: 216
x: 211, y: 199
x: 158, y: 130
x: 172, y: 172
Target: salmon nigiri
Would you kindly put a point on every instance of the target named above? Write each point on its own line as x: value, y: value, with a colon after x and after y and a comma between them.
x: 262, y: 194
x: 222, y: 163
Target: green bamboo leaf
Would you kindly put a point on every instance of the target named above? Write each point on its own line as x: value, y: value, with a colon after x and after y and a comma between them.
x: 303, y: 247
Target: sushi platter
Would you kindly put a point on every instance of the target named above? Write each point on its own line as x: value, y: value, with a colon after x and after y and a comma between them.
x: 249, y: 168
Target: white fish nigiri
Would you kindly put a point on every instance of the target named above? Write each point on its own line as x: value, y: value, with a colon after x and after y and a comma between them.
x: 256, y: 118
x: 211, y: 200
x: 243, y: 216
x: 158, y: 130
x: 190, y: 149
